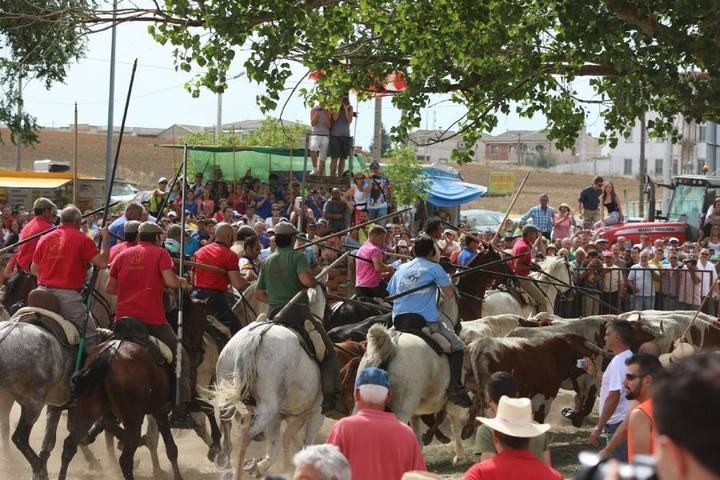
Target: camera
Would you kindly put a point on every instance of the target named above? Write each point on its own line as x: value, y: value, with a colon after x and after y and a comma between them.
x: 692, y: 262
x: 642, y: 467
x: 582, y: 363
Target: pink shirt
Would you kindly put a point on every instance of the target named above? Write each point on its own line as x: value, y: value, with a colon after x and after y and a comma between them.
x: 365, y: 274
x: 377, y: 445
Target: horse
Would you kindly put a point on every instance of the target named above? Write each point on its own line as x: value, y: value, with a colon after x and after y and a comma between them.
x: 472, y: 286
x: 123, y: 380
x: 247, y: 308
x: 555, y: 281
x: 266, y: 361
x: 419, y: 377
x: 35, y: 369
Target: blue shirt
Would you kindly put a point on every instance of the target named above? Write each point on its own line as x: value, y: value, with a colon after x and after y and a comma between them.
x: 465, y: 256
x: 263, y: 210
x: 414, y: 273
x: 117, y: 228
x: 543, y: 219
x: 192, y: 245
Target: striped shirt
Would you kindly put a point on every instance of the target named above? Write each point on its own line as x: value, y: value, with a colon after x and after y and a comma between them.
x: 542, y: 218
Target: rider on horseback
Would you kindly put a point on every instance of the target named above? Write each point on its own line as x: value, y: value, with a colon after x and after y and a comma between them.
x: 370, y: 275
x: 211, y: 286
x: 282, y: 275
x: 60, y: 263
x: 523, y: 264
x: 416, y: 272
x: 45, y: 213
x: 138, y: 277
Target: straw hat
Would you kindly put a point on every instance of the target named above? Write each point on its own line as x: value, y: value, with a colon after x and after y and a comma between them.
x: 514, y: 418
x: 682, y: 350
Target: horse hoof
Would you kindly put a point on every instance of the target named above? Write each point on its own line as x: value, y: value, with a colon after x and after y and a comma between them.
x: 40, y: 475
x: 426, y: 439
x: 250, y: 466
x: 218, y: 457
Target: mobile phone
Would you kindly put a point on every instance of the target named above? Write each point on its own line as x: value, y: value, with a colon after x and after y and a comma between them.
x: 582, y: 364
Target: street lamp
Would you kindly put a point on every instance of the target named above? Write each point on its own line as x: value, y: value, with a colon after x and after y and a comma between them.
x: 218, y: 122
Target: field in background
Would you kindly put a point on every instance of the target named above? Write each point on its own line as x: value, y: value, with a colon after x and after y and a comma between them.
x: 562, y: 187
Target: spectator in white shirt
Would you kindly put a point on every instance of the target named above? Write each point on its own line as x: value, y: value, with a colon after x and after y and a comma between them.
x: 708, y: 275
x: 613, y: 401
x: 640, y: 281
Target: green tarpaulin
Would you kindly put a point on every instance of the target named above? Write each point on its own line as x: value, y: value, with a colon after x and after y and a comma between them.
x: 259, y: 160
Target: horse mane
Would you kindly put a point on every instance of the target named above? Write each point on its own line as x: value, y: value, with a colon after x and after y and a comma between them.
x: 380, y: 347
x: 232, y: 392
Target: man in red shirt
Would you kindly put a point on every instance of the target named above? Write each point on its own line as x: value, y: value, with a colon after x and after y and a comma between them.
x: 211, y: 286
x: 524, y: 264
x: 138, y: 277
x: 45, y: 213
x: 374, y: 441
x: 131, y: 234
x: 513, y: 428
x: 60, y: 263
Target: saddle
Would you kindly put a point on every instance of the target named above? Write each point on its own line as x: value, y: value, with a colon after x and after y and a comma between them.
x: 518, y: 293
x: 416, y: 325
x: 309, y: 339
x: 357, y: 332
x: 43, y: 310
x: 133, y: 330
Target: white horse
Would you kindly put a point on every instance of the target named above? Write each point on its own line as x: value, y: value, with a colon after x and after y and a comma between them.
x: 265, y: 360
x: 558, y: 273
x: 247, y: 308
x: 419, y: 377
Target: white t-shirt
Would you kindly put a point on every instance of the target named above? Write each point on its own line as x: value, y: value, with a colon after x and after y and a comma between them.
x: 612, y: 381
x: 643, y: 279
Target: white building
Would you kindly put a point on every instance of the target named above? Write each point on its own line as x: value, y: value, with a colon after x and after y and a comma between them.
x: 436, y: 146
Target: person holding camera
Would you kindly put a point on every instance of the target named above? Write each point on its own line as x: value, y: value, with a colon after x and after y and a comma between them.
x: 613, y: 401
x: 689, y: 285
x: 340, y: 139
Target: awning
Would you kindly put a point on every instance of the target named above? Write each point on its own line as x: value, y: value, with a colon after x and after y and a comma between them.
x: 37, y: 183
x: 447, y: 189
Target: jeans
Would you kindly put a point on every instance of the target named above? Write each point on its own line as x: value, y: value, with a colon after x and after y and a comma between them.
x: 72, y: 309
x: 620, y: 453
x: 644, y: 302
x: 374, y: 213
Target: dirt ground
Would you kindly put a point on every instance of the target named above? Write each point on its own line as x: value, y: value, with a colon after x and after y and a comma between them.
x: 562, y: 187
x: 566, y: 442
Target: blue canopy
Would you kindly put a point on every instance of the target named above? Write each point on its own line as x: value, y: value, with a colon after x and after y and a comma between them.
x: 447, y: 188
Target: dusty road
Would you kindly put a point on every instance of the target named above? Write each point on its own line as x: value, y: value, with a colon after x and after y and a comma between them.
x: 566, y: 442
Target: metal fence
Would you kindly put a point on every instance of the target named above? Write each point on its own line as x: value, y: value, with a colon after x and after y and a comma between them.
x: 616, y: 289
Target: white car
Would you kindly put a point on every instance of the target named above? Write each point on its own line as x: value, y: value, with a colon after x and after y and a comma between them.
x: 480, y: 220
x: 123, y: 192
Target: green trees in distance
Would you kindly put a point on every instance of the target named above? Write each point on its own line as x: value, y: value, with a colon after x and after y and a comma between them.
x: 491, y: 57
x: 271, y: 133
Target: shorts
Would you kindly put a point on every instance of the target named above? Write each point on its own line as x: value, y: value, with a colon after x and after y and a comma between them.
x: 340, y: 147
x: 319, y: 143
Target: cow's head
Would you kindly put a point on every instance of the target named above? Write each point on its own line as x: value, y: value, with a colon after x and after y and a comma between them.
x: 583, y: 384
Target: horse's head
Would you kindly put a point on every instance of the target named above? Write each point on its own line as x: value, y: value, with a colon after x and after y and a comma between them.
x: 481, y: 279
x: 448, y: 310
x: 557, y: 273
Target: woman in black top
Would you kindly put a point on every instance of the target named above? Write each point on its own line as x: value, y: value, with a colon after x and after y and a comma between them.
x: 611, y: 208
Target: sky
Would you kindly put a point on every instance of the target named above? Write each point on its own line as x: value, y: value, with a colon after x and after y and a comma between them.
x: 159, y: 99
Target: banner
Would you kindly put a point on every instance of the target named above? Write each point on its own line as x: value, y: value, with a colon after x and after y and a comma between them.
x: 501, y: 183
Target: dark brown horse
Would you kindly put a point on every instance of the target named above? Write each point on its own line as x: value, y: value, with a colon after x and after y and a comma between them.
x: 130, y: 384
x: 472, y: 286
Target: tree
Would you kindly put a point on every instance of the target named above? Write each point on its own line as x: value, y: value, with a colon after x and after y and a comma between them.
x: 271, y: 133
x: 489, y: 56
x: 409, y: 183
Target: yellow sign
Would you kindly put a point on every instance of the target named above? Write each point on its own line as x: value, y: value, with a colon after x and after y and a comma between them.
x: 501, y: 183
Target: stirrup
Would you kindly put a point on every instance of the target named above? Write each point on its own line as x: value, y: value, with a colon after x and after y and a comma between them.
x: 459, y: 397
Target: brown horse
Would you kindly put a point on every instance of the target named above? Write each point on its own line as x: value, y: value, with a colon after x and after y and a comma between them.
x: 131, y: 384
x: 472, y: 286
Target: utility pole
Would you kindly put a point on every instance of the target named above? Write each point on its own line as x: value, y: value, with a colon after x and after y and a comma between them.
x: 218, y: 118
x: 111, y: 105
x: 643, y: 164
x: 18, y: 143
x: 377, y: 143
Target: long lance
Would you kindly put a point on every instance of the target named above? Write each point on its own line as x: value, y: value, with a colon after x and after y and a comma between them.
x: 167, y: 194
x: 45, y: 232
x: 350, y: 229
x: 181, y: 294
x: 108, y: 193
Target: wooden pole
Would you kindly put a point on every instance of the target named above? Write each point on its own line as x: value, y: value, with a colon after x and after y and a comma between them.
x: 350, y: 229
x: 75, y: 158
x: 512, y: 204
x: 697, y: 312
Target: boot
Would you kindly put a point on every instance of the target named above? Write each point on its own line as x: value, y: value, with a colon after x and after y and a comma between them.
x: 456, y: 390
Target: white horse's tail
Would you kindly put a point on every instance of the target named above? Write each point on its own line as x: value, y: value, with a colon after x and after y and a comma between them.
x: 232, y: 391
x: 380, y: 347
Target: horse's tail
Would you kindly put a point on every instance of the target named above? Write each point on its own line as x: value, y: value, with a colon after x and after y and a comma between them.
x: 85, y: 379
x: 380, y: 347
x: 233, y: 390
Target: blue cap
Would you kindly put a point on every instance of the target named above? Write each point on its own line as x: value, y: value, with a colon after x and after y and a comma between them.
x: 373, y: 376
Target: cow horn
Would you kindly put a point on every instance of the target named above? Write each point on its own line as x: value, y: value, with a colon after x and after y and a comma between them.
x: 662, y: 327
x: 595, y: 349
x: 651, y: 331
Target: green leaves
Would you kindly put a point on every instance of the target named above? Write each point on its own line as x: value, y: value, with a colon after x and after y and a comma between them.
x: 409, y: 183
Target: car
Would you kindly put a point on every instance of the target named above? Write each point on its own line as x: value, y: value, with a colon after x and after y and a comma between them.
x: 478, y: 219
x: 142, y: 196
x: 123, y: 192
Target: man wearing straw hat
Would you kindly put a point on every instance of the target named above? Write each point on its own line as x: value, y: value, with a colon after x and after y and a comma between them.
x: 513, y: 427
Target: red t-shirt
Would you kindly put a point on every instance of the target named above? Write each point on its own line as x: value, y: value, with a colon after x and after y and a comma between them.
x: 24, y: 256
x: 138, y: 272
x: 63, y: 256
x: 217, y: 255
x: 117, y: 249
x: 377, y: 445
x: 521, y: 247
x: 512, y: 465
